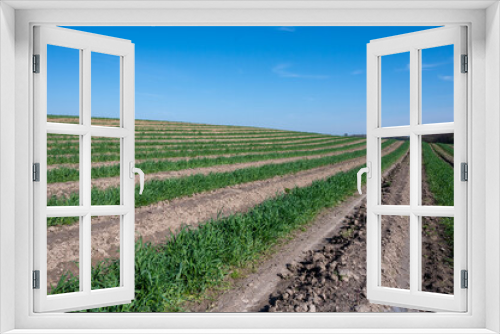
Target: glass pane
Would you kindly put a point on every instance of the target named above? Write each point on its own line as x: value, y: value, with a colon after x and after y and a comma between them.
x: 395, y: 255
x: 105, y: 89
x: 395, y: 183
x: 437, y: 170
x: 395, y: 89
x: 437, y: 84
x: 105, y: 252
x: 437, y: 254
x: 105, y: 178
x: 63, y: 84
x: 63, y: 256
x: 63, y: 175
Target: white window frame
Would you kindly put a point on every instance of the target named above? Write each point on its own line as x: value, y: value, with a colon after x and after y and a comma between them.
x: 86, y: 44
x: 414, y: 43
x: 483, y: 100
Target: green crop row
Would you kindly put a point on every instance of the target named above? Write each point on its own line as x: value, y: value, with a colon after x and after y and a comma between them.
x: 52, y: 138
x: 103, y: 147
x: 440, y: 178
x: 74, y: 138
x: 245, y: 132
x: 447, y: 148
x: 72, y: 147
x: 150, y: 142
x: 65, y: 174
x: 168, y: 189
x: 158, y: 154
x: 194, y: 260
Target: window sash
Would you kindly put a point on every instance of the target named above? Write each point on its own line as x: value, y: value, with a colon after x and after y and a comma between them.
x: 86, y: 297
x: 413, y: 43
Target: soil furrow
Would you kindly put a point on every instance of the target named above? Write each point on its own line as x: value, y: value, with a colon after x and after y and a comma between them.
x: 154, y: 222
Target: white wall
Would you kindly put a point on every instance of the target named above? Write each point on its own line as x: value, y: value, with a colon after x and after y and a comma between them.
x: 492, y: 164
x: 7, y: 161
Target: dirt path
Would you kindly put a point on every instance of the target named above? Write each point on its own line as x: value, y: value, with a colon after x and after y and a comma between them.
x: 66, y: 188
x: 396, y: 229
x: 443, y: 154
x: 321, y: 270
x: 154, y: 222
x: 437, y: 249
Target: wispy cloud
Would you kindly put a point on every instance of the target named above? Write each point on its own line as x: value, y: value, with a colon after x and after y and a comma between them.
x: 357, y: 72
x: 428, y: 66
x: 283, y: 71
x: 425, y: 66
x: 287, y: 29
x: 446, y: 77
x: 403, y: 69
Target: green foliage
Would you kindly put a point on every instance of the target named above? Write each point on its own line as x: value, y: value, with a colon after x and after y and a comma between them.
x: 447, y: 148
x: 441, y: 183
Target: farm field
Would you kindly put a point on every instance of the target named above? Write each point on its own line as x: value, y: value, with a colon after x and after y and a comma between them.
x: 216, y: 199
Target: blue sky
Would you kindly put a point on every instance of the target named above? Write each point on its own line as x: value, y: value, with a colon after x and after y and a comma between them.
x: 297, y: 78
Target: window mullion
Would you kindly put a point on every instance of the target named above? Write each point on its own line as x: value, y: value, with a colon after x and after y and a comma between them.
x: 86, y: 169
x: 415, y: 245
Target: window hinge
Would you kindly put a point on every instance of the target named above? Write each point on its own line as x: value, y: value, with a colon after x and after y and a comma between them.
x: 464, y: 171
x: 36, y: 63
x: 465, y: 279
x: 36, y: 172
x: 465, y: 64
x: 36, y: 279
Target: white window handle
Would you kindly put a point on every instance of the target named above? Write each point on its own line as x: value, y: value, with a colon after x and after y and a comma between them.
x: 134, y: 170
x: 368, y: 172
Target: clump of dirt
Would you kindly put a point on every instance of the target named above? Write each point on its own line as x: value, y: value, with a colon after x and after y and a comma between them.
x: 331, y: 279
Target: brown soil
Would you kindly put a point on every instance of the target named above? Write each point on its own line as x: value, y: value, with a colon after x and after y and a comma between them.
x: 66, y: 188
x: 108, y: 163
x: 153, y: 224
x: 395, y: 260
